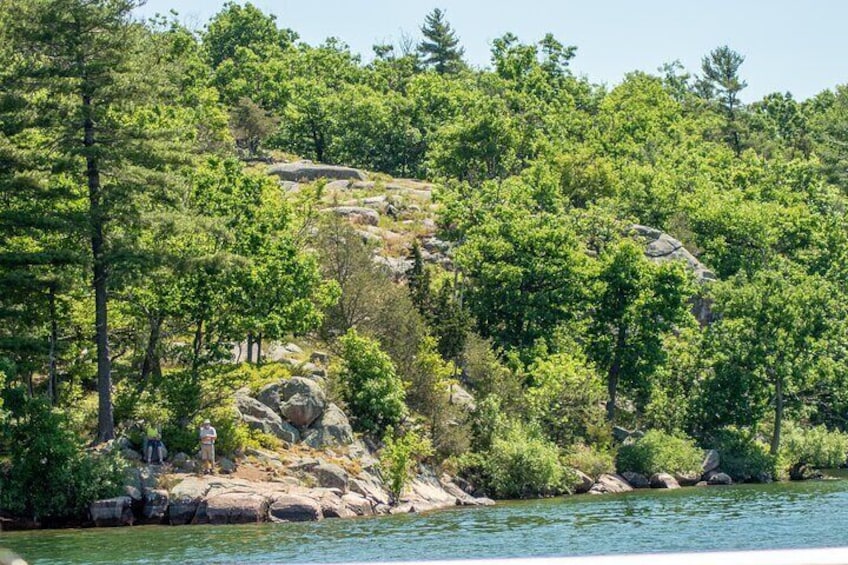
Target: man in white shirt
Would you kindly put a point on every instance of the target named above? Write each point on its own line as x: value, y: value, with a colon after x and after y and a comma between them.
x: 208, y: 435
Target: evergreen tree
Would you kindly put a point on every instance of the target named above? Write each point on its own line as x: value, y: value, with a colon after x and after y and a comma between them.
x: 440, y: 49
x: 82, y: 65
x: 418, y: 279
x: 721, y: 82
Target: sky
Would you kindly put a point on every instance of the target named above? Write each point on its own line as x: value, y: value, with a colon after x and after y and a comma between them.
x: 789, y: 46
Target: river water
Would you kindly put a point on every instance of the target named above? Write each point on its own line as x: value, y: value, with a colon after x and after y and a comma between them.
x: 776, y: 516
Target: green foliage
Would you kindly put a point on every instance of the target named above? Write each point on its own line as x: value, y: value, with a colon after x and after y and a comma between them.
x: 440, y: 49
x: 591, y: 460
x: 744, y: 457
x: 815, y: 446
x: 659, y: 452
x: 372, y: 389
x: 399, y: 456
x: 565, y: 399
x: 520, y: 464
x: 48, y: 475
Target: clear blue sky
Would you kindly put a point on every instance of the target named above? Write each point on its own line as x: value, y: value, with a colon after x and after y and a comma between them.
x: 801, y: 47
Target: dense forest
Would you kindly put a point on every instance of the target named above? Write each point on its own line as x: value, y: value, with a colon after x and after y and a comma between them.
x: 141, y: 239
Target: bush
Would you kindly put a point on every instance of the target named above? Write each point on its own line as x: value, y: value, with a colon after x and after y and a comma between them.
x: 660, y: 452
x: 814, y: 446
x: 566, y: 399
x: 48, y: 475
x: 373, y: 391
x: 522, y: 465
x: 590, y: 460
x: 744, y: 457
x: 399, y: 456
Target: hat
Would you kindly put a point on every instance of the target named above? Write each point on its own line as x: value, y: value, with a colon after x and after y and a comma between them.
x: 206, y: 421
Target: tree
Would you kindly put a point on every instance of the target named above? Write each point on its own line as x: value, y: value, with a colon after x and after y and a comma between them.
x: 251, y: 125
x: 525, y: 273
x: 638, y: 303
x: 777, y: 333
x: 721, y: 82
x: 244, y: 26
x: 440, y: 48
x: 418, y: 280
x: 372, y: 388
x: 80, y: 62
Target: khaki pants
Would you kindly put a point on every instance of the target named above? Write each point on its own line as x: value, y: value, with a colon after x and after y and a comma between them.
x: 207, y: 452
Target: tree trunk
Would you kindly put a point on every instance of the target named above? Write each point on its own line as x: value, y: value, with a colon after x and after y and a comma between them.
x: 52, y: 391
x: 778, y: 415
x: 249, y: 348
x: 105, y: 420
x: 197, y: 345
x: 613, y: 373
x: 150, y: 365
x: 259, y: 349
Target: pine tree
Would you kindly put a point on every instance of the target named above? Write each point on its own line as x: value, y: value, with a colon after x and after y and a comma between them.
x: 80, y: 65
x: 721, y: 82
x: 419, y: 281
x: 440, y: 49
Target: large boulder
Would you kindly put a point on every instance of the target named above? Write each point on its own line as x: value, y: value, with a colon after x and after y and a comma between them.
x: 270, y: 395
x: 610, y: 484
x: 112, y: 512
x: 636, y: 480
x: 294, y: 508
x: 661, y: 247
x: 309, y: 171
x: 584, y: 483
x: 155, y: 506
x: 804, y: 472
x: 185, y: 499
x: 332, y: 506
x: 712, y: 460
x: 236, y: 508
x: 718, y: 478
x: 331, y: 429
x: 358, y: 504
x: 358, y: 214
x: 331, y: 476
x: 262, y: 417
x: 303, y: 401
x: 687, y: 479
x: 663, y: 480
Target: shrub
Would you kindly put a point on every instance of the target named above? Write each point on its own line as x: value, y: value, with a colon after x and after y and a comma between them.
x: 592, y: 461
x: 659, y: 452
x: 49, y: 476
x: 521, y: 465
x: 566, y: 399
x: 814, y: 446
x: 399, y: 456
x: 372, y: 389
x: 744, y: 457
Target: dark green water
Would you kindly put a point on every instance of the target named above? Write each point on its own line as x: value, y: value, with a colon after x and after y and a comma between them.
x: 786, y: 515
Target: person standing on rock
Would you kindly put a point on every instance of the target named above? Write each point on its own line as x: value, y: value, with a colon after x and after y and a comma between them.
x: 208, y: 435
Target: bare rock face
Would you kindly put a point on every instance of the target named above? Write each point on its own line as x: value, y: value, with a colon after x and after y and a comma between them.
x: 711, y: 461
x: 586, y: 482
x: 294, y: 508
x: 303, y: 401
x: 636, y: 480
x: 309, y: 171
x: 610, y: 484
x: 185, y: 500
x: 236, y: 508
x: 332, y: 476
x: 155, y: 506
x: 358, y: 214
x: 331, y: 429
x: 663, y: 480
x: 661, y: 247
x: 112, y: 512
x: 262, y: 417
